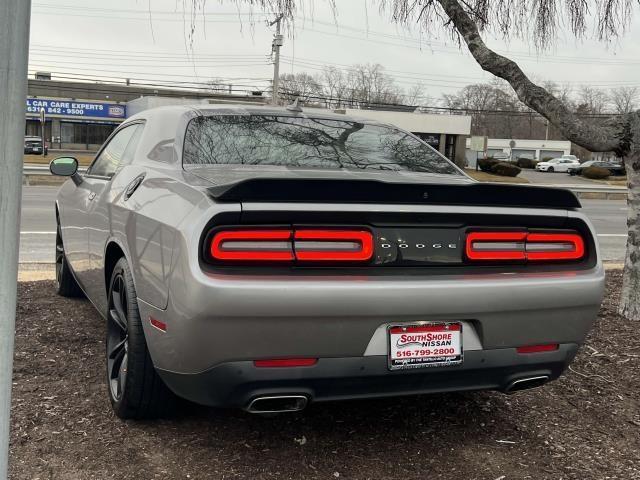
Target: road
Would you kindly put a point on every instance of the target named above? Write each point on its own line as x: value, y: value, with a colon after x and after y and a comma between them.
x: 37, y: 232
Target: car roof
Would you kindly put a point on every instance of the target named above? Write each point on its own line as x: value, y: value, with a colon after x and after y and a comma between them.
x: 174, y: 111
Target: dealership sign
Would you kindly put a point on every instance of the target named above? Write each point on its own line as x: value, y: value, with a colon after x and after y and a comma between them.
x: 72, y: 108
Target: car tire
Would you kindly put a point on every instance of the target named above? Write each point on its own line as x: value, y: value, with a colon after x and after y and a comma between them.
x: 66, y: 285
x: 550, y: 170
x: 135, y: 389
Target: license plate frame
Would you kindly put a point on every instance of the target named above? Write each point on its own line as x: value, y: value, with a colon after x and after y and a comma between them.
x: 424, y: 361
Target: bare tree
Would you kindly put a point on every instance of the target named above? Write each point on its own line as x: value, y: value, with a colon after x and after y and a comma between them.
x: 373, y: 85
x: 592, y: 100
x: 561, y: 91
x: 299, y: 85
x: 335, y: 86
x: 415, y: 95
x: 625, y: 99
x: 464, y: 20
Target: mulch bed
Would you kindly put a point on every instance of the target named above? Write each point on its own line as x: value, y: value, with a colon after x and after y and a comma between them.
x: 584, y: 426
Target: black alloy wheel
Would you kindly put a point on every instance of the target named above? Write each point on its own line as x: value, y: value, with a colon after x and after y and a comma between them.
x: 66, y: 284
x: 117, y: 337
x: 136, y: 390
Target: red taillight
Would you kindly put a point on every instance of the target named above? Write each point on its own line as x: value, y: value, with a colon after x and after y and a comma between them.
x: 285, y: 362
x: 251, y: 245
x: 554, y: 246
x: 283, y: 245
x: 524, y: 246
x: 549, y: 347
x: 333, y: 245
x: 496, y: 245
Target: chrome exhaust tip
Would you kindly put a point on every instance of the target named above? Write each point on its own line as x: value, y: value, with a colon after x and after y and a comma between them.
x: 525, y: 383
x: 278, y: 404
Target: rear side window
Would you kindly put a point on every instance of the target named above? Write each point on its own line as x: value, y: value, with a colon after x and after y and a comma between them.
x: 116, y: 152
x: 296, y: 142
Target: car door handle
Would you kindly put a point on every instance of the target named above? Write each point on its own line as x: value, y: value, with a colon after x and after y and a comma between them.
x: 92, y: 195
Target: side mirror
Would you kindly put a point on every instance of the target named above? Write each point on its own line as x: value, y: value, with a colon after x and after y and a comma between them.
x: 64, y: 166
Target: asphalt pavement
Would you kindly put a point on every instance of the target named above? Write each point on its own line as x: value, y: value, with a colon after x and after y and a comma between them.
x: 37, y: 231
x: 554, y: 178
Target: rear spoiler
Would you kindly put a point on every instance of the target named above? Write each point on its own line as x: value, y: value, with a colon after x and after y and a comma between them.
x: 373, y: 191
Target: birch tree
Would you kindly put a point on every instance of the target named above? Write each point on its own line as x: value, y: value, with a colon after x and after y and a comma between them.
x: 466, y: 20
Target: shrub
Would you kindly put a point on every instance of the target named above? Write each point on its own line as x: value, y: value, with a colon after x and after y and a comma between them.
x: 486, y: 164
x: 524, y: 162
x: 505, y: 169
x: 596, y: 173
x: 546, y: 159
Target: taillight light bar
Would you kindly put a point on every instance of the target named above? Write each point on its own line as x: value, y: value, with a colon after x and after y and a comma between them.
x: 524, y: 246
x: 252, y: 245
x: 287, y: 245
x: 333, y: 245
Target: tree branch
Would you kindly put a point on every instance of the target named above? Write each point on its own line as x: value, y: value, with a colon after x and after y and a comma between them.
x: 597, y: 138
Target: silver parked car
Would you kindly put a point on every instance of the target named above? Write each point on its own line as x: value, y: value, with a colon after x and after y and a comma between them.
x: 264, y: 258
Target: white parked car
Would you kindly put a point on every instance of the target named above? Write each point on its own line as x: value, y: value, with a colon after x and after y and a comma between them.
x: 561, y: 164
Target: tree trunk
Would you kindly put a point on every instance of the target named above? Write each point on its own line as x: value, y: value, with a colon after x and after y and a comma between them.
x: 630, y: 295
x: 621, y: 135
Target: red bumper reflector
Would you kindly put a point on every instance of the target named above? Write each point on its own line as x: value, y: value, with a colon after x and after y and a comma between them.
x: 158, y: 324
x: 251, y: 245
x: 550, y: 347
x: 285, y: 362
x: 333, y: 245
x: 525, y: 246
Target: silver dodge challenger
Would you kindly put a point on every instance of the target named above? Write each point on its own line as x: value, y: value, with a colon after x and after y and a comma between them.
x: 264, y: 258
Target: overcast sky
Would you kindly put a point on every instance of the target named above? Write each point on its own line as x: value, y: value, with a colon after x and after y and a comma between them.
x: 149, y: 40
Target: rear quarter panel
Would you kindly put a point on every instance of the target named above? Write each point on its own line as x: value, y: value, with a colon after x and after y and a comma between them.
x: 146, y: 226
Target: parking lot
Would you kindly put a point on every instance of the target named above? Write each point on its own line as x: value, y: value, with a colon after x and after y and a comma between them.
x: 584, y: 426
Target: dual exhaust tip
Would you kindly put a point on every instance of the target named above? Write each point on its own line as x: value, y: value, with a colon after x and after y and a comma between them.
x: 278, y: 404
x: 296, y: 403
x: 526, y: 383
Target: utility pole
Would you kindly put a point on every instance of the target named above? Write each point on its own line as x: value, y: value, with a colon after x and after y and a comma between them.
x: 14, y: 52
x: 275, y: 48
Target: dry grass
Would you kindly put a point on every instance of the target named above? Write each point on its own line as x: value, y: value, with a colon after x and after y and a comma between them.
x: 613, y: 181
x: 487, y: 177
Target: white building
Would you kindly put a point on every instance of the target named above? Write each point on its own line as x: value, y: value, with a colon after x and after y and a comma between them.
x: 534, y: 149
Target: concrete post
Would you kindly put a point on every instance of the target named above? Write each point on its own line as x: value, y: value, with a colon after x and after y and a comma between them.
x: 14, y: 54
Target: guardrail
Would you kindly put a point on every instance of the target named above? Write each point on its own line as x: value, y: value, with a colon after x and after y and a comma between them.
x: 42, y: 170
x: 608, y: 192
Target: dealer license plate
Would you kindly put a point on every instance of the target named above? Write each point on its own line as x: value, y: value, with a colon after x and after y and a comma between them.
x: 425, y: 345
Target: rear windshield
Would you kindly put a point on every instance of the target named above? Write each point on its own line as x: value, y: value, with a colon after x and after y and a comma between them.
x: 307, y: 143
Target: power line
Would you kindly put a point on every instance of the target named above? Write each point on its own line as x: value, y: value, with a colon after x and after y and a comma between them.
x: 126, y: 73
x: 445, y: 78
x: 145, y: 12
x: 196, y: 90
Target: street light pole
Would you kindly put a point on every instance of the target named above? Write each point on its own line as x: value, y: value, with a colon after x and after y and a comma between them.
x: 275, y: 48
x: 14, y: 55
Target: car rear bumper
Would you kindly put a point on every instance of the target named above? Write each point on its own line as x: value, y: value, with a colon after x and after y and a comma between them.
x: 236, y: 384
x: 217, y: 319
